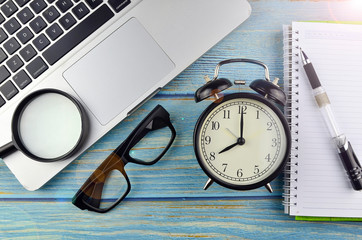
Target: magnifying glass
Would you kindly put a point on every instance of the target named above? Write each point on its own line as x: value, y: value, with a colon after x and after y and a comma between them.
x: 48, y: 125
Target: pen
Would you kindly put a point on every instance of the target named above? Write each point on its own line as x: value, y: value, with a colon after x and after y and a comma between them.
x: 345, y: 151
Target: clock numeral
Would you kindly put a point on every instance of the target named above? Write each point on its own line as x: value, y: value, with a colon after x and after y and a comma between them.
x: 269, y: 126
x: 242, y: 109
x: 267, y: 157
x: 226, y: 114
x: 215, y: 125
x: 212, y: 156
x: 207, y: 140
x: 275, y: 142
x: 257, y: 114
x: 225, y: 166
x: 239, y: 173
x: 256, y: 169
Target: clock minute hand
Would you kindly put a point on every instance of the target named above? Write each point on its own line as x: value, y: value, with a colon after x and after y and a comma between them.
x: 241, y: 123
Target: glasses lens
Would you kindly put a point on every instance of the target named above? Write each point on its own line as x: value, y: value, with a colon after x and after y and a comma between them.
x: 152, y: 145
x: 114, y: 188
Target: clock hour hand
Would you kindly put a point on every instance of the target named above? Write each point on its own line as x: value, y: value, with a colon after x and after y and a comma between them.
x: 240, y: 141
x: 229, y: 147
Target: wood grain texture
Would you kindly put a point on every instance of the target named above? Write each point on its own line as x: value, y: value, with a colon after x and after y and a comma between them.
x: 166, y: 219
x: 167, y: 200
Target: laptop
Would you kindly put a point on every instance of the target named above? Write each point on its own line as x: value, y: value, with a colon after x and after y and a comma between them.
x: 111, y: 55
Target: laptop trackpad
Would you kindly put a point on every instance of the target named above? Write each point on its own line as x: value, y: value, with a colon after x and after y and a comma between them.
x: 118, y: 71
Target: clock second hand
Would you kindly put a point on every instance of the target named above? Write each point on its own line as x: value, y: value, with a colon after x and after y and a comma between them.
x: 231, y: 133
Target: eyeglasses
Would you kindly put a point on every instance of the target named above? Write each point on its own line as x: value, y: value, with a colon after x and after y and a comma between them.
x: 109, y: 184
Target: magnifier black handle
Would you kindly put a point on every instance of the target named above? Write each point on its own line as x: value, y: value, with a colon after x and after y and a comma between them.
x: 7, y: 149
x: 352, y: 167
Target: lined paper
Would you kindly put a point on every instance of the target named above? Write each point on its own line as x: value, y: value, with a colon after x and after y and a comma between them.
x: 323, y: 188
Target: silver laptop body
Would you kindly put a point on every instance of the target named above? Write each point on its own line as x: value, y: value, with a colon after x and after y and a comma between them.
x: 124, y: 62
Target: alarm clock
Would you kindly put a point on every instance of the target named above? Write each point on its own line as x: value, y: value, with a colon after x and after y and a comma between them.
x: 242, y: 140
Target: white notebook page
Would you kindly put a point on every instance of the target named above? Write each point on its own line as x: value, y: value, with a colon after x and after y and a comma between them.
x: 323, y: 188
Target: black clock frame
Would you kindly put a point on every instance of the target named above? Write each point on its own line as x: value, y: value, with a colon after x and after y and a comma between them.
x: 257, y: 97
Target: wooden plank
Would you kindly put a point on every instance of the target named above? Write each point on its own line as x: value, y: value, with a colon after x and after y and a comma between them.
x: 181, y: 219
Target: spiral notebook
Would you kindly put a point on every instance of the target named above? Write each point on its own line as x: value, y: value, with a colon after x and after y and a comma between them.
x: 315, y: 181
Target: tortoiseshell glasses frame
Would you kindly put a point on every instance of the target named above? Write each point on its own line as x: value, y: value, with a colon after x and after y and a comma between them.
x: 89, y: 196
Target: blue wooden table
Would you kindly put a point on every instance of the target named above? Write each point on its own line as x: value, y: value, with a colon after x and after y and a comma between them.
x: 167, y: 200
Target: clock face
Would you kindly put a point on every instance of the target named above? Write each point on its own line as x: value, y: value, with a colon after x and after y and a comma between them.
x: 242, y: 142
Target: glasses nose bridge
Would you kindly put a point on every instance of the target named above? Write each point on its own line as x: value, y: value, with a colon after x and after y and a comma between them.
x: 120, y: 166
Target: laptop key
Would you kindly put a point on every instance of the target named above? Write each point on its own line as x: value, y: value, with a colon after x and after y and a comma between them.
x: 94, y: 3
x: 11, y: 45
x: 2, y: 19
x: 24, y: 35
x: 54, y: 31
x: 64, y: 5
x: 9, y: 90
x: 78, y: 34
x: 38, y: 5
x: 14, y: 63
x: 2, y: 101
x: 25, y: 15
x: 9, y: 8
x: 41, y: 42
x: 3, y: 35
x: 22, y: 79
x: 80, y: 10
x: 3, y: 55
x: 67, y: 21
x: 36, y: 67
x: 51, y: 14
x: 38, y: 24
x: 4, y: 74
x: 12, y: 25
x: 118, y: 5
x: 27, y: 53
x: 21, y: 2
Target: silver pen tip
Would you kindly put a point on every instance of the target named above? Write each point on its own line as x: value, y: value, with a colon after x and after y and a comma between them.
x: 304, y: 57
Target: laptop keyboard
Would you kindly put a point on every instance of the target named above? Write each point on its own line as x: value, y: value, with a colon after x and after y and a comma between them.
x: 35, y: 34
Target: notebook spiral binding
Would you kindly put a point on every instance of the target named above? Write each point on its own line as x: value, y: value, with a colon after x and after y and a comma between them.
x: 291, y: 85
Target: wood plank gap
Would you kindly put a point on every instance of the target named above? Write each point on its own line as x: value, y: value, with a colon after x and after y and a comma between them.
x: 149, y: 199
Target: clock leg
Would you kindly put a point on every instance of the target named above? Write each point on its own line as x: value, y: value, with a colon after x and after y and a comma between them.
x: 208, y: 184
x: 268, y: 186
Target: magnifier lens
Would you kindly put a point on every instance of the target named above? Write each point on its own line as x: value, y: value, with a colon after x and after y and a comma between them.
x: 50, y: 126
